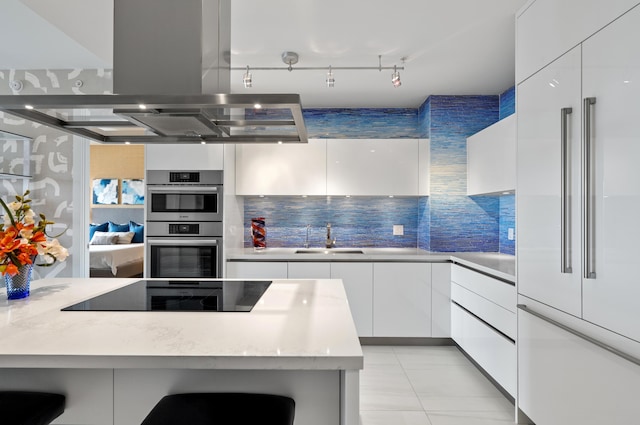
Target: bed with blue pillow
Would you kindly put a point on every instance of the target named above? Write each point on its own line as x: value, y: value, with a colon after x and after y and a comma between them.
x: 116, y: 249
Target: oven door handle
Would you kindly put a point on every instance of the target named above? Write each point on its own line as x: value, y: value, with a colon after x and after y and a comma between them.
x: 178, y: 241
x: 185, y: 189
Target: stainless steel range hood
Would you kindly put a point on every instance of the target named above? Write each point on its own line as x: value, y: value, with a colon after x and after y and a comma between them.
x: 171, y: 79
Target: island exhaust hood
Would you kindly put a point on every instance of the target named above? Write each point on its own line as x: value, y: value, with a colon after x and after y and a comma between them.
x: 171, y: 75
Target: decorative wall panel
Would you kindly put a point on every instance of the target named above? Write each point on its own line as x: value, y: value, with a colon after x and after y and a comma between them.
x: 52, y: 185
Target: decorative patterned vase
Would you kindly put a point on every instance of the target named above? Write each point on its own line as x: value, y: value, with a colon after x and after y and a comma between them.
x: 18, y: 285
x: 258, y: 233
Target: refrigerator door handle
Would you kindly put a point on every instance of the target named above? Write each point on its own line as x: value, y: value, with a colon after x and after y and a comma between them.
x: 565, y: 207
x: 588, y: 192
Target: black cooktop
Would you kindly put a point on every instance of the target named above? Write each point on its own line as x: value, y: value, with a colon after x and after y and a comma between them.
x: 178, y: 295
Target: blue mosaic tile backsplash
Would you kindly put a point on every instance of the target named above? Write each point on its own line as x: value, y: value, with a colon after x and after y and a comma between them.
x: 355, y: 222
x: 446, y: 221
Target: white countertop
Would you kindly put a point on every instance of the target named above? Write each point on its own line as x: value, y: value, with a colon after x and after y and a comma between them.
x: 499, y: 265
x: 296, y: 325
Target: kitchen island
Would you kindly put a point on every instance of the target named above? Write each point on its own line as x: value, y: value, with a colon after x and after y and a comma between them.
x: 299, y: 340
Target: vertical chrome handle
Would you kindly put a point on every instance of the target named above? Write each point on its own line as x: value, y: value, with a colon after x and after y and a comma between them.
x: 588, y: 192
x: 565, y: 193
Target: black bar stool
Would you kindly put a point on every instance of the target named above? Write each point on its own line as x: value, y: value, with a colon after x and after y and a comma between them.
x: 30, y: 408
x: 223, y: 409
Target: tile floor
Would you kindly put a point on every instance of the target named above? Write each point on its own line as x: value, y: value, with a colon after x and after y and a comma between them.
x: 403, y: 385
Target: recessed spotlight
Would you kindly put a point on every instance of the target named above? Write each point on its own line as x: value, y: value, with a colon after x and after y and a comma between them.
x: 28, y: 106
x: 203, y: 143
x: 390, y: 196
x: 279, y: 142
x: 142, y: 106
x: 127, y: 143
x: 257, y: 106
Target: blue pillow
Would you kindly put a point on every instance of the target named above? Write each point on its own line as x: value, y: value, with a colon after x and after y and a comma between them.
x: 113, y: 227
x: 97, y: 228
x: 138, y: 232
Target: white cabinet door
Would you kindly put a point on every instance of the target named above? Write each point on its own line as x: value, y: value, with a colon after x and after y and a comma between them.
x: 184, y: 157
x: 257, y: 269
x: 309, y: 270
x: 563, y: 379
x: 495, y: 353
x: 540, y: 101
x: 402, y: 299
x: 612, y: 76
x: 441, y: 300
x: 372, y: 167
x: 491, y: 158
x: 549, y: 28
x: 358, y: 284
x: 287, y: 169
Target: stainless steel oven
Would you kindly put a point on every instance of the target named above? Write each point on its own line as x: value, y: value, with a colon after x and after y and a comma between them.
x: 184, y: 249
x: 184, y: 195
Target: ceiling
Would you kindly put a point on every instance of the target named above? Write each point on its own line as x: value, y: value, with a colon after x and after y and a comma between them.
x: 452, y: 47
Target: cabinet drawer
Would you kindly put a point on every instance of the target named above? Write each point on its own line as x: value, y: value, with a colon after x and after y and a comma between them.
x: 497, y: 291
x: 492, y: 351
x: 495, y: 315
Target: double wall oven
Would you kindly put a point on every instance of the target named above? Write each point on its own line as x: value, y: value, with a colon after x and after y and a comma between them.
x: 184, y: 224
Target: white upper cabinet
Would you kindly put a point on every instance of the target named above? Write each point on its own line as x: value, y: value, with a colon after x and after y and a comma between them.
x: 372, y: 167
x: 566, y: 24
x: 184, y: 157
x: 491, y: 158
x: 287, y: 169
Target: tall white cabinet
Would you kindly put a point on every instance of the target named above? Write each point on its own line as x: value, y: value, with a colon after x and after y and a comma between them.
x: 578, y: 198
x: 577, y: 246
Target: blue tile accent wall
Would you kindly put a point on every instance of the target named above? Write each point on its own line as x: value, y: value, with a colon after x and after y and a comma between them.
x: 508, y: 102
x: 457, y: 222
x: 362, y: 123
x: 507, y: 220
x: 355, y: 222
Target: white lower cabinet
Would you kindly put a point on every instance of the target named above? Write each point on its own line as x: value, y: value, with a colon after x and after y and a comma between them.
x: 484, y: 321
x: 494, y: 352
x: 358, y: 284
x: 441, y: 300
x: 565, y: 379
x: 257, y: 269
x: 402, y: 299
x: 309, y: 270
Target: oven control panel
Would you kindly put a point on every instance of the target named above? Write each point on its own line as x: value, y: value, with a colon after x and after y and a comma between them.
x: 184, y: 228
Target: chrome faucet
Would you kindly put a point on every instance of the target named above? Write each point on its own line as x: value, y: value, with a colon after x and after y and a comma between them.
x: 330, y: 243
x: 306, y: 242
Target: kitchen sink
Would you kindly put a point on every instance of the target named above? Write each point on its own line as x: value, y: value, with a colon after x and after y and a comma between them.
x: 328, y: 251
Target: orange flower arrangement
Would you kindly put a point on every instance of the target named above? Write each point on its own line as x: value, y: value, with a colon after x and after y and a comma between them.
x: 22, y: 240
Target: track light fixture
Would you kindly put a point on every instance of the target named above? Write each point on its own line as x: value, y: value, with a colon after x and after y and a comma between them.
x: 330, y: 80
x: 291, y: 58
x: 395, y: 78
x: 247, y: 80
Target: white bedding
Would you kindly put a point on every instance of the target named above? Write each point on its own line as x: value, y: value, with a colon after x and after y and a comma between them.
x: 114, y: 256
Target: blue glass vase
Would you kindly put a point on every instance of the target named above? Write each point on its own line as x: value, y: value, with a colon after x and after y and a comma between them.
x: 18, y: 285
